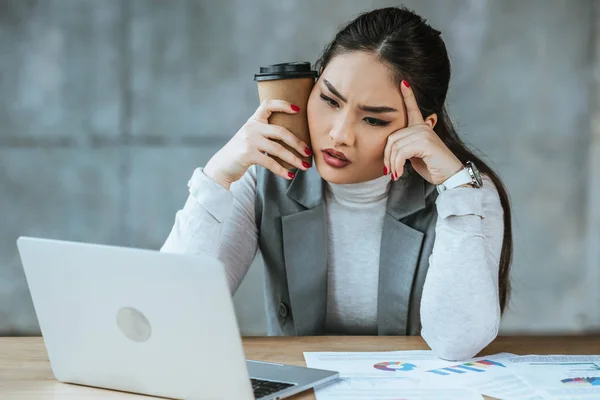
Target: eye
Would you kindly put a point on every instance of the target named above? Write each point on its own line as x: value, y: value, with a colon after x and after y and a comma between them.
x: 329, y: 101
x: 375, y: 121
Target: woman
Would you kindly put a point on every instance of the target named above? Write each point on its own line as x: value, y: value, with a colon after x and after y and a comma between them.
x: 363, y: 243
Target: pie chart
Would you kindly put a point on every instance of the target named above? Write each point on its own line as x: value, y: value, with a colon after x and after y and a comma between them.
x: 394, y: 366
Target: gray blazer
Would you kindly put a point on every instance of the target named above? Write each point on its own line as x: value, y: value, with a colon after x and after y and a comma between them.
x: 290, y: 216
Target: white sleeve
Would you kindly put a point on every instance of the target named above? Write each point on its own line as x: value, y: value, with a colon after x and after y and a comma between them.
x: 460, y: 309
x: 218, y: 222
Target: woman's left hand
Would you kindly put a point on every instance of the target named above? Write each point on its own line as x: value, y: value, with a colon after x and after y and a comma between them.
x: 429, y: 156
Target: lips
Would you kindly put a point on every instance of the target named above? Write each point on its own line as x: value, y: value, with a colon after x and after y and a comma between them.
x: 336, y: 154
x: 335, y: 159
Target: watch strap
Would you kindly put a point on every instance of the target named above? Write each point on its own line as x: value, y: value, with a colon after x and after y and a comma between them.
x: 462, y: 177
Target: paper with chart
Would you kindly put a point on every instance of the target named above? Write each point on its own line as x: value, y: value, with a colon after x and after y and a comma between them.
x: 560, y: 377
x: 414, y: 375
x: 381, y: 376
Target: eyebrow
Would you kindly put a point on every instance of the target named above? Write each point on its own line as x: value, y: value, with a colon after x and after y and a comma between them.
x: 372, y: 109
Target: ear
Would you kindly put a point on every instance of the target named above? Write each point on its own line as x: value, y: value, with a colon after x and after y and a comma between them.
x: 431, y: 120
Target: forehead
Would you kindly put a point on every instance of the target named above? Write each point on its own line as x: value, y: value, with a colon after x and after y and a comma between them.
x: 360, y: 75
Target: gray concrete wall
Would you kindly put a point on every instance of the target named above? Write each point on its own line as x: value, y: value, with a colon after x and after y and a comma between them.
x: 593, y: 168
x: 108, y: 106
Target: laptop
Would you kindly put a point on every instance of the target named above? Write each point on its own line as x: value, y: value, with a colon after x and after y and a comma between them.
x: 147, y: 322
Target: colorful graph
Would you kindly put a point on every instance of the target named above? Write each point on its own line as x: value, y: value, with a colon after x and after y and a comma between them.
x: 476, y: 366
x: 589, y: 381
x: 394, y: 366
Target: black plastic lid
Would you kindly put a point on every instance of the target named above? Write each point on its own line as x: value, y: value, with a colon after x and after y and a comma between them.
x: 285, y: 71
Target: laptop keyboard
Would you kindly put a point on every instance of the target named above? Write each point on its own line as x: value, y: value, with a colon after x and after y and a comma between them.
x: 264, y: 388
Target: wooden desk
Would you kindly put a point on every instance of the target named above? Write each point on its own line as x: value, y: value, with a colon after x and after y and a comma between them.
x: 25, y: 371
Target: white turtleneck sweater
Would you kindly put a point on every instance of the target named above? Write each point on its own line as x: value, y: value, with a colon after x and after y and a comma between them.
x: 354, y: 223
x: 460, y: 311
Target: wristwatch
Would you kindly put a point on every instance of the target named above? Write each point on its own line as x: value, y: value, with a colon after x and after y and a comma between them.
x: 468, y: 175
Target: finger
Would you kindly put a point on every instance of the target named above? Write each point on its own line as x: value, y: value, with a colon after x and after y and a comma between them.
x: 280, y: 133
x: 398, y: 161
x: 393, y: 138
x: 402, y: 150
x: 273, y: 166
x: 398, y: 138
x: 277, y: 150
x: 387, y: 153
x: 412, y: 108
x: 268, y: 107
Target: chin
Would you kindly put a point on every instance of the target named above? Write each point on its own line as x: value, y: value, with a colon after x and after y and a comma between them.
x: 328, y: 173
x: 336, y: 176
x: 336, y: 179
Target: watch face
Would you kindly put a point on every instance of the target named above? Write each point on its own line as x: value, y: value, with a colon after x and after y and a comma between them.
x: 475, y: 173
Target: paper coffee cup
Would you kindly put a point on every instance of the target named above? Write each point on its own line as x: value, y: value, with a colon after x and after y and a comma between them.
x: 292, y: 82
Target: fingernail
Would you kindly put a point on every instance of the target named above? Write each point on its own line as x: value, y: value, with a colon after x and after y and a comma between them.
x: 295, y: 108
x: 385, y: 170
x: 306, y: 165
x: 308, y: 151
x: 396, y: 176
x: 406, y: 83
x: 291, y: 175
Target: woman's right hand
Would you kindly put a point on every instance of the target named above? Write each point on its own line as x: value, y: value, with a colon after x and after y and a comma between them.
x: 249, y: 145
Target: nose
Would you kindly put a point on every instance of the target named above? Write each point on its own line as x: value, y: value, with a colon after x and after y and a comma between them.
x: 342, y: 132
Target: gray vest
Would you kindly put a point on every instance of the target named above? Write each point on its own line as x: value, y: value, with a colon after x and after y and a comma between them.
x: 290, y: 216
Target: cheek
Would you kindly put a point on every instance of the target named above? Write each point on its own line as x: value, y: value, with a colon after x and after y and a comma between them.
x: 317, y: 120
x: 372, y: 146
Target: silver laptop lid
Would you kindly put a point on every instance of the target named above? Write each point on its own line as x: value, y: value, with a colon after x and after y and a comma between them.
x: 136, y: 320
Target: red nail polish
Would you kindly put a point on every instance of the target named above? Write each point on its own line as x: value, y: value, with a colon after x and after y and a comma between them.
x: 385, y: 170
x: 406, y: 83
x: 295, y: 108
x: 396, y: 176
x: 291, y: 175
x: 308, y: 151
x: 306, y: 165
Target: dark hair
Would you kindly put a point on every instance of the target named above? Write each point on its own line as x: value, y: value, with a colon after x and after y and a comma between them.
x: 416, y: 52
